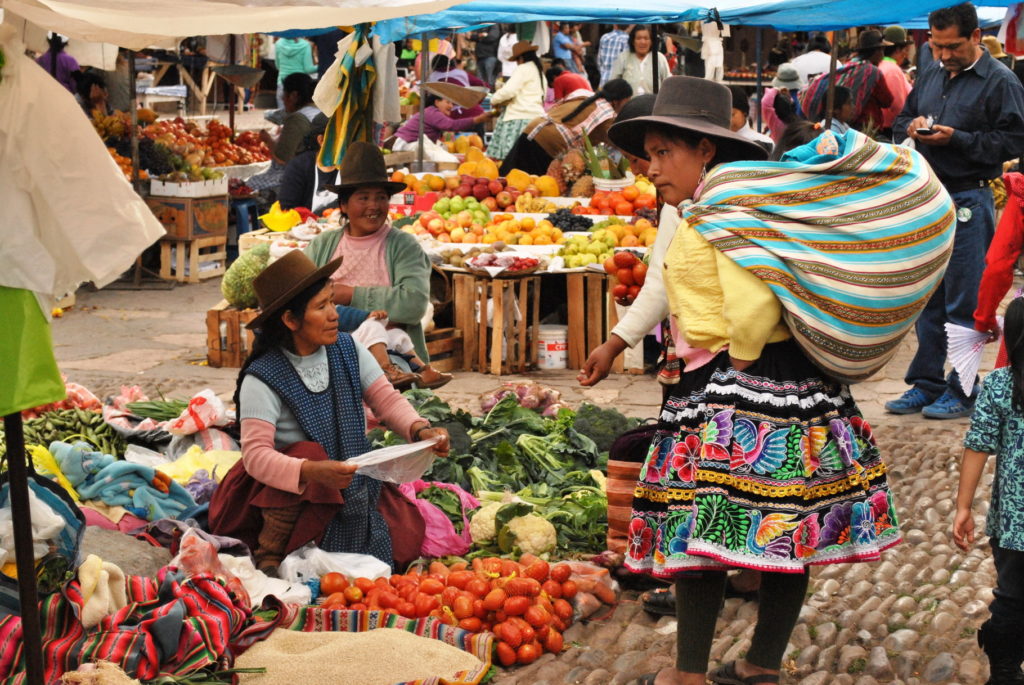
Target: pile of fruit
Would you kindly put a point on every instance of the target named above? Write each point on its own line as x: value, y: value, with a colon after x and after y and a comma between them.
x: 581, y: 250
x: 453, y: 208
x: 525, y: 231
x: 526, y: 604
x: 567, y: 220
x: 528, y: 203
x: 462, y: 145
x: 70, y: 425
x: 479, y: 179
x: 458, y: 258
x: 125, y: 164
x: 509, y: 262
x: 630, y: 272
x: 625, y: 202
x: 209, y: 147
x: 191, y: 174
x: 238, y: 188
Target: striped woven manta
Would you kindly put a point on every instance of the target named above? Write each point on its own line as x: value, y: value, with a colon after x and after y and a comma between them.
x: 852, y: 236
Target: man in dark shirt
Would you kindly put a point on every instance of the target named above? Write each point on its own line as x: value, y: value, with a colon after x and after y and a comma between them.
x: 966, y: 117
x: 486, y: 53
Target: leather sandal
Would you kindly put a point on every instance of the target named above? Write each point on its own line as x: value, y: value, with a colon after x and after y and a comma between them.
x: 431, y: 378
x: 659, y: 602
x: 398, y: 378
x: 726, y: 674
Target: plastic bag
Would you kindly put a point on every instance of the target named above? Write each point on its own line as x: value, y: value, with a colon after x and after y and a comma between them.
x: 196, y: 556
x: 440, y: 538
x: 398, y: 463
x: 596, y: 589
x: 205, y: 410
x: 46, y: 526
x: 310, y: 562
x: 259, y: 585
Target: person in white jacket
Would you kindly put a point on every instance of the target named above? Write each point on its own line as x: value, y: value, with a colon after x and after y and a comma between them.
x: 521, y: 98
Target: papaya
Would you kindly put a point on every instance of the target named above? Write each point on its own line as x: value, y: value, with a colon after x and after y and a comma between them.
x: 486, y: 168
x: 467, y: 169
x: 547, y: 186
x: 474, y: 154
x: 518, y: 179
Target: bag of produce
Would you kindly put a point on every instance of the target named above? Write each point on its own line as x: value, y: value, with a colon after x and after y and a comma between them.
x: 445, y: 510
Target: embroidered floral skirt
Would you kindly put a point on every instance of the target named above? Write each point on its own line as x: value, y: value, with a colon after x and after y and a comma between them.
x: 506, y: 132
x: 771, y: 468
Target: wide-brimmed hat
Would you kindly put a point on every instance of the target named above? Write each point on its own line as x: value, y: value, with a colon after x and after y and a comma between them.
x: 522, y: 47
x: 276, y: 285
x: 897, y: 35
x: 788, y: 76
x: 460, y: 95
x: 995, y: 48
x: 692, y: 104
x: 362, y: 166
x: 871, y: 40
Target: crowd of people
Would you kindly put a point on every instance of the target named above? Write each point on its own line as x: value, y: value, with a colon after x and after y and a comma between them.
x: 880, y: 219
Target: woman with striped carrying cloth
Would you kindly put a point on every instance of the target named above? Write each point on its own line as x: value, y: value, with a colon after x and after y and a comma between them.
x: 785, y: 281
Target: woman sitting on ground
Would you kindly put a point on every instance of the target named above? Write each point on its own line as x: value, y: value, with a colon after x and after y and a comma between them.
x: 565, y: 124
x: 300, y: 398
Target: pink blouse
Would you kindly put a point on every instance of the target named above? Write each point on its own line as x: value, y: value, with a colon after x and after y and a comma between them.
x: 364, y: 262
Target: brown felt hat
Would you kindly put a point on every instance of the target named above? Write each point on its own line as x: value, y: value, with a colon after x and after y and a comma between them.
x: 692, y: 104
x: 461, y: 95
x: 871, y: 40
x: 522, y: 47
x: 276, y: 285
x: 362, y: 166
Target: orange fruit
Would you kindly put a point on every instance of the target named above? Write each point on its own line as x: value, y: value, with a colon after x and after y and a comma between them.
x: 397, y: 177
x: 630, y: 193
x: 624, y: 208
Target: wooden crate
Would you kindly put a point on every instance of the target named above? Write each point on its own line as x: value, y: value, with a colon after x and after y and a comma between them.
x: 228, y: 342
x: 444, y: 345
x: 593, y: 314
x: 507, y: 346
x: 183, y: 265
x: 186, y: 218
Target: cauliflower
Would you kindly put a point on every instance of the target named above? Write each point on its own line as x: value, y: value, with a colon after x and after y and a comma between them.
x: 237, y: 284
x: 481, y: 526
x: 532, y: 534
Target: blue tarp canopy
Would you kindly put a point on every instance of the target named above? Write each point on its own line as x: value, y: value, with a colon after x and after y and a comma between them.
x: 785, y: 15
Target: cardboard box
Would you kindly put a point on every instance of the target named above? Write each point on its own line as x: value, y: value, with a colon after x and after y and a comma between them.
x: 189, y: 218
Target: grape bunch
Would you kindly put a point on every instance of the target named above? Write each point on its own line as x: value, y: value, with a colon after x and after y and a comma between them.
x: 565, y: 220
x: 649, y: 213
x: 153, y: 157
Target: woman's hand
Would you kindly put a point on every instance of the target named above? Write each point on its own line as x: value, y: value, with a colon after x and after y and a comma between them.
x: 333, y: 474
x: 963, y: 529
x: 421, y: 430
x: 342, y: 294
x: 599, y: 363
x: 379, y: 314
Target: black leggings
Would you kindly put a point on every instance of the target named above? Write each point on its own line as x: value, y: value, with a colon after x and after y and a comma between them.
x: 699, y: 599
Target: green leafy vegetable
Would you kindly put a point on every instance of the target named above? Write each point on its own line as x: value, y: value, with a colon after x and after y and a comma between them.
x: 448, y: 502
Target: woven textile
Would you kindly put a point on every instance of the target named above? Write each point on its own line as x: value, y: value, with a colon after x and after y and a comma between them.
x: 860, y: 77
x: 852, y: 236
x: 334, y: 419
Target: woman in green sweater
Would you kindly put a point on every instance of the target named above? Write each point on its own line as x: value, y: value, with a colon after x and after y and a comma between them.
x: 382, y: 269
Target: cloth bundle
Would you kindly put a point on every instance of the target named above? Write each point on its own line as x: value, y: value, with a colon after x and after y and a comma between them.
x: 141, y: 489
x: 103, y: 590
x: 853, y: 236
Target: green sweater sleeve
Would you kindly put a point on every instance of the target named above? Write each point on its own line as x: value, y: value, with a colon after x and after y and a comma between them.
x: 406, y: 299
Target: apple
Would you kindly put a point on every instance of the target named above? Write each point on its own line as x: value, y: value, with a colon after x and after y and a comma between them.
x: 457, y: 234
x: 515, y: 193
x: 480, y: 180
x: 490, y: 203
x: 464, y: 191
x: 436, y: 226
x: 480, y: 191
x: 451, y: 182
x: 495, y: 187
x: 503, y: 199
x: 464, y: 218
x: 467, y: 180
x: 532, y: 190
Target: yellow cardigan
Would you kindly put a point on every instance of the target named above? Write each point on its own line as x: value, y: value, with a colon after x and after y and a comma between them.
x: 717, y: 302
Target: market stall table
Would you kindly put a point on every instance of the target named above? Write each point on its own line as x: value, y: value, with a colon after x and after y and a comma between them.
x: 511, y: 344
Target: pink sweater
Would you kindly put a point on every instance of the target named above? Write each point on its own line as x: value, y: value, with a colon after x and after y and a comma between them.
x: 267, y: 465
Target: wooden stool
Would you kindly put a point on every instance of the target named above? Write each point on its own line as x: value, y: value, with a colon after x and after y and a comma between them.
x: 482, y: 348
x: 197, y: 251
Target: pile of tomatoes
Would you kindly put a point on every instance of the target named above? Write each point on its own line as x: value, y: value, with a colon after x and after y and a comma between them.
x: 211, y: 146
x: 623, y: 202
x: 526, y: 604
x: 630, y: 272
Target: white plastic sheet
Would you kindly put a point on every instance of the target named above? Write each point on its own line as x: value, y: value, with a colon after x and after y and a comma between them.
x: 398, y: 463
x: 310, y: 562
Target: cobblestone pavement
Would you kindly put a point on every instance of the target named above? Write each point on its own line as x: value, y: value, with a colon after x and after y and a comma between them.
x: 911, y: 618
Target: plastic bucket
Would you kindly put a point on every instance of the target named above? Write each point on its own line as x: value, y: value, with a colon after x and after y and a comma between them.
x: 553, y: 347
x: 612, y: 185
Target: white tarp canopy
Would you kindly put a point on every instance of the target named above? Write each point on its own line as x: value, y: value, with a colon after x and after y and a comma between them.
x: 138, y: 24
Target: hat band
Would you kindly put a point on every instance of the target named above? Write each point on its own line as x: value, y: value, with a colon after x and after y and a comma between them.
x: 687, y: 112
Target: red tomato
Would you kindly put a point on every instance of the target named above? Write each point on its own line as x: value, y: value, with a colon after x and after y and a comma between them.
x: 332, y: 582
x: 463, y: 607
x: 640, y: 273
x: 479, y: 610
x: 527, y: 653
x: 625, y: 277
x: 364, y: 584
x: 561, y: 572
x: 439, y: 569
x: 388, y: 600
x: 431, y: 586
x: 353, y: 594
x: 553, y: 589
x: 533, y: 587
x: 569, y: 589
x: 610, y: 267
x: 425, y: 604
x: 335, y: 601
x: 510, y: 568
x: 563, y: 609
x: 538, y: 570
x: 536, y: 616
x: 634, y: 291
x: 509, y: 634
x: 506, y: 655
x: 358, y: 606
x: 526, y: 558
x: 492, y: 566
x: 477, y: 587
x: 472, y: 624
x: 495, y: 599
x: 517, y: 587
x: 407, y: 609
x: 449, y: 595
x: 460, y: 579
x: 516, y: 606
x: 553, y: 642
x: 545, y: 604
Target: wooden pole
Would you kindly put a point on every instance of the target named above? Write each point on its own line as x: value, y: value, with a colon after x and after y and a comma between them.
x: 655, y: 33
x: 24, y: 557
x: 831, y: 97
x: 136, y: 182
x: 231, y: 86
x: 759, y: 88
x: 424, y: 73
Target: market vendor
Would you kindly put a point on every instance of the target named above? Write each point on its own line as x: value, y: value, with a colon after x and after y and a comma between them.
x: 299, y: 399
x: 438, y: 118
x: 300, y: 112
x: 522, y: 98
x: 563, y: 127
x: 302, y: 184
x: 383, y: 269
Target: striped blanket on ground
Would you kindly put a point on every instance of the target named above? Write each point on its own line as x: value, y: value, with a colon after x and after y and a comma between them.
x: 852, y: 236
